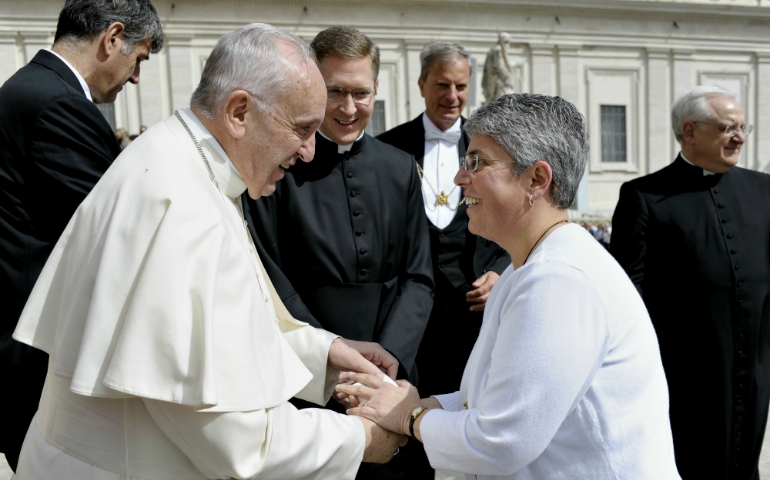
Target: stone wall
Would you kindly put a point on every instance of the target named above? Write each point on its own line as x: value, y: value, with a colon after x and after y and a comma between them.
x: 636, y: 54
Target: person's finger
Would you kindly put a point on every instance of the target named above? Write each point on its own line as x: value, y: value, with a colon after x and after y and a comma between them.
x: 478, y: 308
x: 357, y: 390
x: 403, y: 383
x: 392, y: 370
x: 374, y: 381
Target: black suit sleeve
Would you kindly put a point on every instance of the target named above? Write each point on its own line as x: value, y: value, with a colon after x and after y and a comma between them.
x: 628, y: 243
x: 406, y: 322
x: 262, y: 219
x: 69, y: 151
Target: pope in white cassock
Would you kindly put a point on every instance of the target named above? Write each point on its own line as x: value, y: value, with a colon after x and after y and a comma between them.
x: 171, y: 356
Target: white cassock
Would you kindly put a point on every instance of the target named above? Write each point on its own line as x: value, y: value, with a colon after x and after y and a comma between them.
x: 171, y: 356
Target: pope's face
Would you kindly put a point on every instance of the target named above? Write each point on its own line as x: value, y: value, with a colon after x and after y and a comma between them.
x: 275, y: 141
x: 445, y: 90
x: 345, y: 119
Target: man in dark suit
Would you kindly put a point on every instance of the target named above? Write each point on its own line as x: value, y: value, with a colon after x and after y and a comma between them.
x: 344, y: 238
x: 54, y: 146
x: 695, y: 239
x: 465, y: 267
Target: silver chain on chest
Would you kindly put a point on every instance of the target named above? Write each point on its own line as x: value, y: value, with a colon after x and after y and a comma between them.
x: 200, y: 150
x: 214, y: 181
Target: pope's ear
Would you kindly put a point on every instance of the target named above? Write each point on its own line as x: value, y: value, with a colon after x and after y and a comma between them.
x: 237, y: 113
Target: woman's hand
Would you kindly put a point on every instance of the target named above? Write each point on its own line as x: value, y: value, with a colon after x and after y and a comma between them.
x: 388, y: 406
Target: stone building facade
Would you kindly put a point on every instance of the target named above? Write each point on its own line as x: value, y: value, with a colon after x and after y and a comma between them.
x: 622, y: 62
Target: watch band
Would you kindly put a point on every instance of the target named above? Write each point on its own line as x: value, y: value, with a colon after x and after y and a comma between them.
x: 419, y: 411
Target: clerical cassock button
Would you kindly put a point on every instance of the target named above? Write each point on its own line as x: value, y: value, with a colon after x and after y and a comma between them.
x: 356, y: 213
x: 359, y: 233
x: 362, y: 251
x: 733, y: 251
x: 724, y: 220
x: 721, y: 205
x: 350, y: 174
x: 729, y: 235
x: 353, y: 193
x: 363, y: 271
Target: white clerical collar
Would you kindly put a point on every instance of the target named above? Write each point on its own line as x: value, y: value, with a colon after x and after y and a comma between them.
x: 82, y: 80
x: 432, y: 131
x: 228, y: 177
x: 705, y: 172
x: 341, y: 148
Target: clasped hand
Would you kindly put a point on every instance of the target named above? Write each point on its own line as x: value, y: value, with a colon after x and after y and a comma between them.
x: 349, y: 356
x: 388, y: 406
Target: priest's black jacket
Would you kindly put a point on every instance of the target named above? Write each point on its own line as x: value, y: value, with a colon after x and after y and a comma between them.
x: 698, y: 250
x: 54, y: 146
x: 459, y: 258
x: 344, y: 240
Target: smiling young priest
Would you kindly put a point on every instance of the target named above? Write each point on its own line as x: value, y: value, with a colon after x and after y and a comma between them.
x: 348, y: 231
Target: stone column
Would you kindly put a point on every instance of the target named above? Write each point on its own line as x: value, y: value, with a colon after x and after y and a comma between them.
x: 165, y: 81
x: 761, y: 134
x: 543, y: 69
x: 415, y: 102
x: 659, y: 139
x: 682, y: 80
x: 568, y: 83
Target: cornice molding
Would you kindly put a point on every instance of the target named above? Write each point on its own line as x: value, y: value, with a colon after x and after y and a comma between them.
x: 734, y: 8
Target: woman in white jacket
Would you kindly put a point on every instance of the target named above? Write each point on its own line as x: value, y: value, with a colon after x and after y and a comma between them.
x: 565, y: 379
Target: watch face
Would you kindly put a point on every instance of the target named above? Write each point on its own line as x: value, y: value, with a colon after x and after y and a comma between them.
x: 417, y: 410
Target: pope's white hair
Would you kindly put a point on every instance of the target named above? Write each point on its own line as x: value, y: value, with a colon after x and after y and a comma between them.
x: 250, y: 59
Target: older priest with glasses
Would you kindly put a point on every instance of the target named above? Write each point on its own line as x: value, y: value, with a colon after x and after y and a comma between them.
x: 695, y: 239
x: 348, y: 231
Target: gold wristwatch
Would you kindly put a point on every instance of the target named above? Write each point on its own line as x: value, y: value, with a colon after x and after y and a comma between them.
x: 415, y: 413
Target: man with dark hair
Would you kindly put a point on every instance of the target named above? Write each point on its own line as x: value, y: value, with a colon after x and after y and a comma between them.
x: 345, y: 238
x: 694, y: 237
x: 54, y: 147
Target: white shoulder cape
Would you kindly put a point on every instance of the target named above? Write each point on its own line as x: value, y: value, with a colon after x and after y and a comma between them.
x: 151, y: 290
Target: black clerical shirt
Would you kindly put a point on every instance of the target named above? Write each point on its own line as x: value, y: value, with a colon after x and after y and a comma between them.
x: 348, y: 246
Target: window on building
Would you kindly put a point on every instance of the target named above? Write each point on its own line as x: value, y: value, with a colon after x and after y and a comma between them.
x: 377, y: 123
x: 613, y: 133
x: 108, y: 110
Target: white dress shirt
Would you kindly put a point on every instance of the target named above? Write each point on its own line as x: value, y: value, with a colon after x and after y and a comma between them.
x: 439, y: 168
x: 80, y: 78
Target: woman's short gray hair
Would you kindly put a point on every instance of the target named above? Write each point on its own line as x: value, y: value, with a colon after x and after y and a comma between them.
x: 530, y: 128
x: 442, y: 52
x: 693, y: 105
x: 249, y: 59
